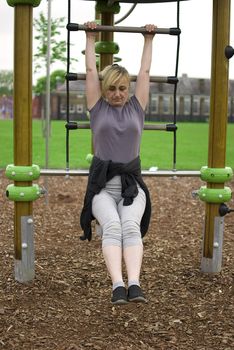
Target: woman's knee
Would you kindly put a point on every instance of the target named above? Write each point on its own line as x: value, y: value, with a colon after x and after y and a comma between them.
x: 112, y: 234
x: 131, y: 233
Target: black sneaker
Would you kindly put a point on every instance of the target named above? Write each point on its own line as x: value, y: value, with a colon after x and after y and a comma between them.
x: 119, y: 296
x: 135, y: 294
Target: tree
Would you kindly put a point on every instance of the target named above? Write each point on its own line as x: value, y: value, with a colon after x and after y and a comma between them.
x: 58, y: 47
x: 6, y: 82
x: 57, y: 77
x: 57, y: 51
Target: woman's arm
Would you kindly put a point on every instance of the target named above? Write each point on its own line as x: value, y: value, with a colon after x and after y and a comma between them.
x: 93, y: 89
x: 143, y: 78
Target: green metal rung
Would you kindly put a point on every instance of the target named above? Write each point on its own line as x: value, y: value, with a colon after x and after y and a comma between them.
x: 215, y: 195
x: 22, y: 173
x: 23, y: 193
x: 216, y: 175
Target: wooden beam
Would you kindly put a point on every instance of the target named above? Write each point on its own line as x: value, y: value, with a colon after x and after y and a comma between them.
x: 218, y: 110
x: 22, y: 108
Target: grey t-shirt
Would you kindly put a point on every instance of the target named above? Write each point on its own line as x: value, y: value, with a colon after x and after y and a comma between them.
x: 117, y: 130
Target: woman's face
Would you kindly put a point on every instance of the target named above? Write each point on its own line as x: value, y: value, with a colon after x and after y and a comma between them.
x: 118, y: 93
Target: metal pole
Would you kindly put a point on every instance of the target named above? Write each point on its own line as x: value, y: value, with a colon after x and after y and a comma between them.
x: 47, y: 123
x: 155, y: 79
x: 211, y: 262
x: 120, y: 29
x: 47, y: 133
x: 157, y: 173
x: 159, y: 127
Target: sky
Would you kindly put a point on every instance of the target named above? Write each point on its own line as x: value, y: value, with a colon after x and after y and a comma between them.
x: 195, y: 24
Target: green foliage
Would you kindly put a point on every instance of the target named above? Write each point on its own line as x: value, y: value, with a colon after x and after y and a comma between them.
x: 57, y: 47
x: 6, y: 82
x: 57, y: 77
x: 57, y: 52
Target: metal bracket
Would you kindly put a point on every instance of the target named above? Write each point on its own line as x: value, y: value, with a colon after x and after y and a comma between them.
x: 214, y: 264
x: 25, y: 268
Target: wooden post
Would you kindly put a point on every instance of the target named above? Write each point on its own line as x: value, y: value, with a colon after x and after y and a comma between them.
x: 23, y: 222
x: 106, y: 59
x: 217, y: 126
x: 22, y: 108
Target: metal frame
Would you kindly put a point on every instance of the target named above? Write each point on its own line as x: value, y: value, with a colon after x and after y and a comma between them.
x: 133, y: 78
x: 158, y: 173
x: 211, y: 261
x: 122, y: 29
x: 160, y: 127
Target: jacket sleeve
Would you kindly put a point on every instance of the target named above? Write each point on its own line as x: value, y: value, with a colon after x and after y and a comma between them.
x: 96, y: 181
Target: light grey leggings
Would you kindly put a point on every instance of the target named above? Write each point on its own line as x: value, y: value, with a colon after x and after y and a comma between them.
x: 120, y: 224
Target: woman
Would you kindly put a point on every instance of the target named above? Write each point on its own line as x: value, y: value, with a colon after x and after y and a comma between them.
x: 116, y: 195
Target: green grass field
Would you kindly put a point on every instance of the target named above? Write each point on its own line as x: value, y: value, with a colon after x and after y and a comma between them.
x: 156, y: 149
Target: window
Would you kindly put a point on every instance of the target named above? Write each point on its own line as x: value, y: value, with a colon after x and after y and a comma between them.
x: 229, y: 106
x: 205, y: 106
x: 179, y: 105
x: 72, y: 108
x: 79, y: 108
x: 187, y: 105
x: 63, y: 108
x: 196, y: 105
x: 154, y: 104
x: 166, y: 104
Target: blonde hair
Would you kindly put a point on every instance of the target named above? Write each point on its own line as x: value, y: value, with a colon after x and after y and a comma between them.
x: 111, y: 75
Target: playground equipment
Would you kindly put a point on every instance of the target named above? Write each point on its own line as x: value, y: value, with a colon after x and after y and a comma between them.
x: 215, y: 174
x: 23, y: 211
x: 107, y: 48
x: 213, y: 232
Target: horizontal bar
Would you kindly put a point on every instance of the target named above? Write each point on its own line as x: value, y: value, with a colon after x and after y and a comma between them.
x: 154, y: 79
x: 121, y: 29
x: 71, y: 125
x: 160, y: 127
x: 159, y: 173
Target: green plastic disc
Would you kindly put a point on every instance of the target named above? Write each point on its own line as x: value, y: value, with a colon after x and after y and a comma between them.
x: 215, y: 195
x: 34, y: 3
x: 22, y: 173
x: 23, y: 193
x: 216, y: 175
x: 106, y: 47
x: 103, y: 7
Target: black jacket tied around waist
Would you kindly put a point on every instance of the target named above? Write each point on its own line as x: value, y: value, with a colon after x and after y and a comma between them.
x: 101, y: 172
